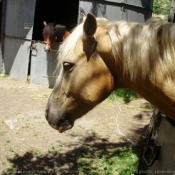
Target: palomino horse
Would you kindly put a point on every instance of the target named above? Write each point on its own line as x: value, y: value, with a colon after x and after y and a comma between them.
x: 53, y: 33
x: 99, y: 57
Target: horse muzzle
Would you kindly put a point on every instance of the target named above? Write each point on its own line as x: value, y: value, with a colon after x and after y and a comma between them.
x: 47, y: 48
x: 59, y: 124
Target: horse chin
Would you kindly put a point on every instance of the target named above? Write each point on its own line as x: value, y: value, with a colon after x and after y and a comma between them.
x: 62, y: 129
x: 63, y: 126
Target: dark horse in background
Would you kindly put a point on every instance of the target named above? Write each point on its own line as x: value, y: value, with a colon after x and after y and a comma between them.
x: 53, y: 33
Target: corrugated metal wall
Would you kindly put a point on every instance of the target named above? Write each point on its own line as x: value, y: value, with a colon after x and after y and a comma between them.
x: 18, y: 31
x: 128, y: 10
x: 18, y: 27
x: 43, y: 65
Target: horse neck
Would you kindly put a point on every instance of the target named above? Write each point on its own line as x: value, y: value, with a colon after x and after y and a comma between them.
x: 104, y: 49
x: 160, y: 92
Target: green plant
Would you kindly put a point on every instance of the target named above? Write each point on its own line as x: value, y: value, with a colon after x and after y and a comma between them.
x: 2, y: 133
x: 11, y: 150
x: 124, y: 94
x: 53, y: 148
x: 123, y: 161
x: 7, y: 140
x: 161, y: 7
x: 4, y: 75
x: 37, y: 117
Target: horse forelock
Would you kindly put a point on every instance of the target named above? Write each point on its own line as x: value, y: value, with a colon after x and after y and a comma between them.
x: 70, y: 43
x: 68, y: 46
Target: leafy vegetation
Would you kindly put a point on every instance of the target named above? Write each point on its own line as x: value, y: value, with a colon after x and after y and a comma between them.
x: 162, y: 7
x: 124, y: 94
x: 121, y: 161
x: 4, y: 75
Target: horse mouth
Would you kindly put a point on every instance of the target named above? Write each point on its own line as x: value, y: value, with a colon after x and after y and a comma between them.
x: 63, y: 126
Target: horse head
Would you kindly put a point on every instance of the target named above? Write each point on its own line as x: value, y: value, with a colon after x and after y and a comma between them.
x: 85, y: 79
x: 100, y: 56
x: 53, y: 33
x: 49, y: 35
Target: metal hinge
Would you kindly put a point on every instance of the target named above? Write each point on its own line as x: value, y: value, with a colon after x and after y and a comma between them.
x: 33, y: 47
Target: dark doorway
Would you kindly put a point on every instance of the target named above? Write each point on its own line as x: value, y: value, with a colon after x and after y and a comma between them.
x: 62, y: 12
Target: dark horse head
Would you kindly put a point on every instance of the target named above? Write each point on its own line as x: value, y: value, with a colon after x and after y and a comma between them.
x: 53, y: 33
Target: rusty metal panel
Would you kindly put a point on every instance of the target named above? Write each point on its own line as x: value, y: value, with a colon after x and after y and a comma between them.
x: 18, y: 29
x: 43, y: 65
x: 129, y: 10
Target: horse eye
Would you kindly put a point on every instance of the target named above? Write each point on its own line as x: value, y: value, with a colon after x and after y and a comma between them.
x: 67, y: 66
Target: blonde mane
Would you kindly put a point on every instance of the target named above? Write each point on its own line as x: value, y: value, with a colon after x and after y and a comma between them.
x: 142, y: 48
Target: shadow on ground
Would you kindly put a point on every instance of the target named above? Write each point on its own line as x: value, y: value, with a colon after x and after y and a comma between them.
x: 93, y: 156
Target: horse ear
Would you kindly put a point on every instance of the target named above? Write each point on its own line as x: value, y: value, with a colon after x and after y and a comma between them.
x: 44, y: 23
x: 90, y: 25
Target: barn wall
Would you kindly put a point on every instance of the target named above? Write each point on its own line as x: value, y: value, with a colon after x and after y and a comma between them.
x: 17, y: 33
x: 23, y: 22
x: 128, y: 10
x: 1, y: 27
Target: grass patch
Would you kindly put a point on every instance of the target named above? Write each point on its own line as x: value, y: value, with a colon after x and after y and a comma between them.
x: 162, y: 7
x: 4, y: 75
x: 2, y: 133
x: 44, y: 95
x: 88, y: 159
x: 121, y: 161
x: 37, y: 117
x: 124, y: 94
x: 11, y: 150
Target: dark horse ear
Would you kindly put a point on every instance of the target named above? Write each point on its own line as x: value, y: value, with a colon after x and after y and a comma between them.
x: 90, y: 25
x: 45, y: 23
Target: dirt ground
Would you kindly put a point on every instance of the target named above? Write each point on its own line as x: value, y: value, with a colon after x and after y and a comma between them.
x: 29, y: 143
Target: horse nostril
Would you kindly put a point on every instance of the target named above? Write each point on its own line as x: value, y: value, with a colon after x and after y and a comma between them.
x: 61, y: 121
